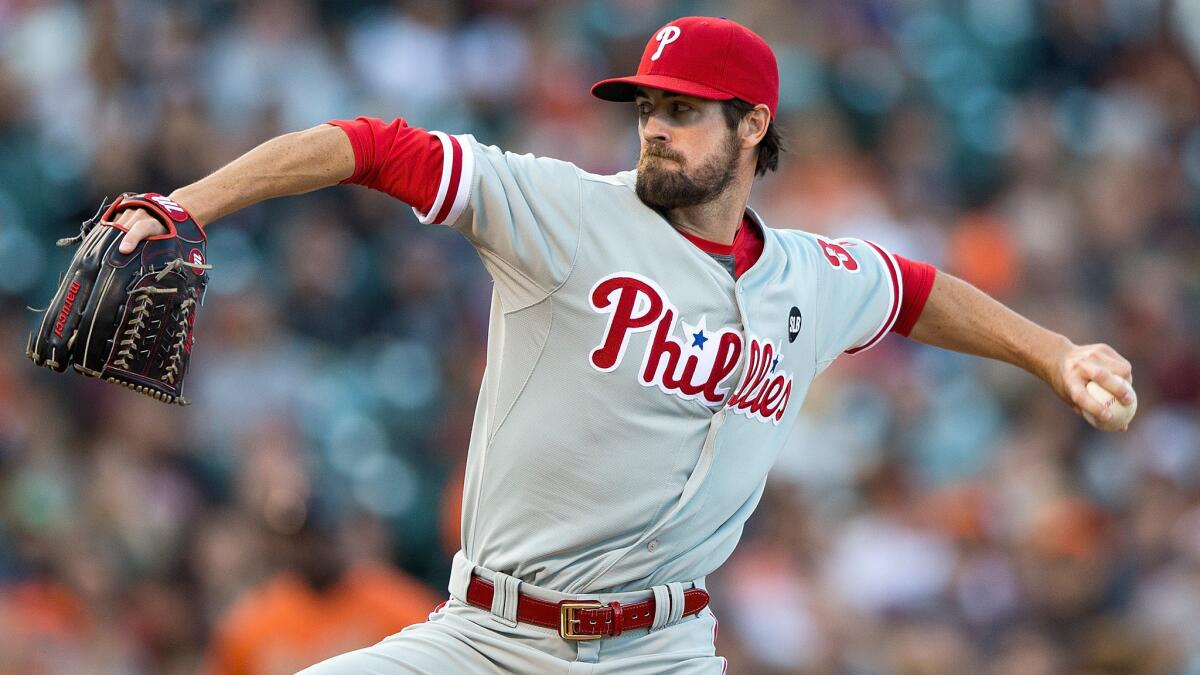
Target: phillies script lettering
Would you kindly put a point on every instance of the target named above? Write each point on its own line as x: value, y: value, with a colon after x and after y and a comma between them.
x: 693, y: 367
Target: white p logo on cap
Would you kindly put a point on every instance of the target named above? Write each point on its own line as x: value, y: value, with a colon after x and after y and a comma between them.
x: 666, y: 36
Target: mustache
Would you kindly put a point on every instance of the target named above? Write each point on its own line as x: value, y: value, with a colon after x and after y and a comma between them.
x: 664, y: 152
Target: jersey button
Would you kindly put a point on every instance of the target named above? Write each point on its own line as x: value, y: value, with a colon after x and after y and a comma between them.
x: 652, y: 545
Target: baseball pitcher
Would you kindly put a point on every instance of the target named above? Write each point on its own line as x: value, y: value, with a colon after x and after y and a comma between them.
x: 651, y: 342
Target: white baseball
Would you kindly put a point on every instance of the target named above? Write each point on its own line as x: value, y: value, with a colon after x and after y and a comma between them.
x: 1121, y: 413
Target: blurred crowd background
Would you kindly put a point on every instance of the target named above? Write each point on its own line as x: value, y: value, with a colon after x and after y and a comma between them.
x: 932, y: 513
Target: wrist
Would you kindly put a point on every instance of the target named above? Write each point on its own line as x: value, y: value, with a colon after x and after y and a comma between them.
x: 188, y: 200
x: 1046, y: 361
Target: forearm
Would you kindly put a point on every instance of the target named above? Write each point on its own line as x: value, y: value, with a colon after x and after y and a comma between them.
x: 960, y: 317
x: 290, y: 164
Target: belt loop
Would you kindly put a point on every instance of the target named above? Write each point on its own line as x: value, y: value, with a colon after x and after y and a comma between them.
x: 676, y: 591
x: 618, y: 618
x: 662, y: 607
x: 504, y: 599
x: 461, y: 571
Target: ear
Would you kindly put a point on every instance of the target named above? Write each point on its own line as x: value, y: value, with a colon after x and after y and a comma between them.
x: 753, y: 126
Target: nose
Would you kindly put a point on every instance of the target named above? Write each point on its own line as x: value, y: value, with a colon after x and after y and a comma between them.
x: 655, y: 131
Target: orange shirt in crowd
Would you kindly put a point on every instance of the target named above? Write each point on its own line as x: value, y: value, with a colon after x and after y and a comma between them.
x: 285, y: 625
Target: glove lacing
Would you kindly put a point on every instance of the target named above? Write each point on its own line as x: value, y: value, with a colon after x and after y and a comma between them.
x: 172, y: 369
x: 175, y: 264
x: 133, y: 333
x: 142, y: 310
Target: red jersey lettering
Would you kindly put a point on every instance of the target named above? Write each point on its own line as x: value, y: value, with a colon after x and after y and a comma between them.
x: 692, y: 367
x: 838, y: 256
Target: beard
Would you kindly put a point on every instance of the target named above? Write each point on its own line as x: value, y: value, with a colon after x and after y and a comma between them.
x: 666, y: 188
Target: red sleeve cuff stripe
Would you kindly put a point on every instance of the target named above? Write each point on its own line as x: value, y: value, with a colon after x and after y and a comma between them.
x: 455, y: 179
x: 457, y: 170
x: 917, y: 278
x: 454, y: 155
x: 897, y: 286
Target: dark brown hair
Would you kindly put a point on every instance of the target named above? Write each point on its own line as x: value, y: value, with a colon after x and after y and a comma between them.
x: 769, y: 148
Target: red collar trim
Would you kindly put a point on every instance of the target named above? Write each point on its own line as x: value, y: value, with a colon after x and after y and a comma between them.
x: 744, y: 230
x: 711, y: 247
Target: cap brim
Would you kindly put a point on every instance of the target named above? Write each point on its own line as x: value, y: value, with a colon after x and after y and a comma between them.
x: 625, y: 88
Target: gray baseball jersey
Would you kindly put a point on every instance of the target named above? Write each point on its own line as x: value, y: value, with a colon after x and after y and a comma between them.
x: 636, y: 394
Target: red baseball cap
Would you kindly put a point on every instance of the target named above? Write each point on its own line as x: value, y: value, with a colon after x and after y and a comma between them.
x: 706, y: 57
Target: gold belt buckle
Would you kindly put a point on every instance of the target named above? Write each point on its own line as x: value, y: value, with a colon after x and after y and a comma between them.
x: 566, y: 625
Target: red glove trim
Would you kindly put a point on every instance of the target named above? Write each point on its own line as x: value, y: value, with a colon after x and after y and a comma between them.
x: 165, y: 209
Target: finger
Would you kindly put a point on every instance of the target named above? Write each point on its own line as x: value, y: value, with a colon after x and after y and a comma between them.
x: 1124, y: 368
x: 1107, y: 381
x: 124, y: 220
x: 1083, y: 401
x: 1117, y: 386
x: 137, y: 232
x: 1115, y: 355
x: 1118, y: 366
x: 130, y: 240
x: 1113, y: 383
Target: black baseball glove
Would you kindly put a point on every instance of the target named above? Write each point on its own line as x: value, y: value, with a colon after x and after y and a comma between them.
x: 128, y: 318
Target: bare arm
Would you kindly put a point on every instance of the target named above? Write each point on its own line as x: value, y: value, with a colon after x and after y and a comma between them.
x: 290, y: 164
x: 962, y: 318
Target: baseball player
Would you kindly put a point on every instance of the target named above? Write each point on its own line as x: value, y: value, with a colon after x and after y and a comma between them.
x: 651, y: 341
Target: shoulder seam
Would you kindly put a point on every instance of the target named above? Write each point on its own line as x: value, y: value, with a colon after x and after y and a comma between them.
x: 491, y: 436
x: 482, y: 246
x: 578, y: 233
x: 570, y: 268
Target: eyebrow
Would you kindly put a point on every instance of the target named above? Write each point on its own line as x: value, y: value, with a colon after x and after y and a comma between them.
x: 641, y: 93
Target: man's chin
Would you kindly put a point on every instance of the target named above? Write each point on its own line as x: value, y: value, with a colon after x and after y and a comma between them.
x: 660, y: 192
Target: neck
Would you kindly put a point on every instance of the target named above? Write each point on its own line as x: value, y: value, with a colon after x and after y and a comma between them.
x: 717, y: 220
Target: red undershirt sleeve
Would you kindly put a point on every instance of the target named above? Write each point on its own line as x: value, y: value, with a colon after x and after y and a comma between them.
x: 392, y: 157
x: 918, y: 282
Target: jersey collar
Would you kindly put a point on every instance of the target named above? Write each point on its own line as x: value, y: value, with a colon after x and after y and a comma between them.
x: 770, y: 252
